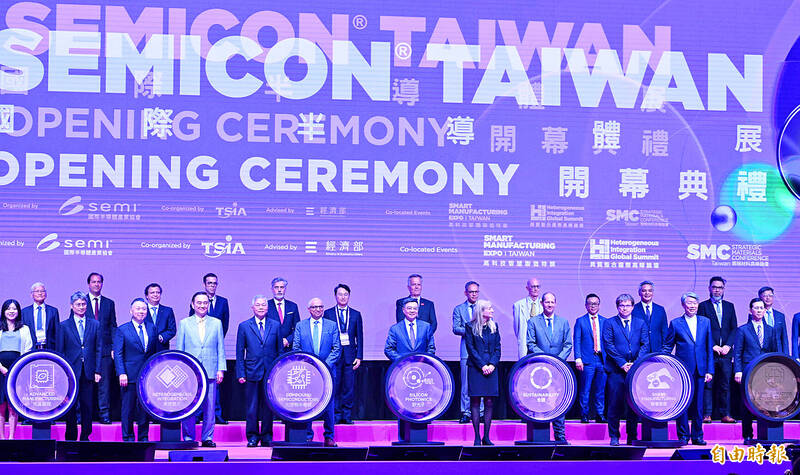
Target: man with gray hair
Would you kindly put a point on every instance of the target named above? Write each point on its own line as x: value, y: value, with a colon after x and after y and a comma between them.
x: 653, y: 315
x: 41, y: 319
x: 691, y: 338
x: 524, y: 309
x: 283, y: 311
x: 426, y: 310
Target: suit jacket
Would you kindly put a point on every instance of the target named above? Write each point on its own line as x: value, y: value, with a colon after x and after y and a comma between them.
x: 129, y: 354
x: 656, y: 324
x: 220, y: 311
x: 747, y: 347
x: 483, y: 350
x: 620, y: 347
x: 521, y: 313
x: 726, y: 334
x: 540, y: 341
x: 355, y: 333
x: 398, y: 343
x: 330, y: 348
x: 210, y: 351
x: 462, y: 315
x: 165, y: 326
x: 291, y: 317
x: 51, y: 324
x: 697, y: 354
x: 584, y: 342
x: 427, y: 312
x: 254, y: 356
x: 84, y: 358
x: 795, y: 335
x: 108, y: 321
x: 781, y: 338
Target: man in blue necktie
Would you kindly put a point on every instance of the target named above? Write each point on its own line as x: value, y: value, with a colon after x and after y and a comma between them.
x: 351, y: 336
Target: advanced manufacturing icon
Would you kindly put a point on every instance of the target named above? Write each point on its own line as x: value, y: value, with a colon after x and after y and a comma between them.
x: 172, y: 376
x: 298, y: 377
x: 42, y: 376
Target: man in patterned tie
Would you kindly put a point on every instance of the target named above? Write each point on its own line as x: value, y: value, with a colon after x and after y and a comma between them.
x: 524, y: 309
x: 752, y: 339
x: 722, y: 315
x: 351, y: 336
x: 774, y: 318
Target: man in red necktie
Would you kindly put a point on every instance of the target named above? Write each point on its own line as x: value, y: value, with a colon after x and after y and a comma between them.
x: 283, y: 311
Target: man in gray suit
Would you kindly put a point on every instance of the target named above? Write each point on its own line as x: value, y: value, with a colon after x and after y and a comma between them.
x: 525, y: 309
x: 201, y: 336
x: 550, y: 334
x: 462, y: 315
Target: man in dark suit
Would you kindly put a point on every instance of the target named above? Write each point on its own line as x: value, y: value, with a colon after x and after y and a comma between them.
x: 722, y: 316
x: 410, y: 335
x: 426, y: 312
x: 319, y: 336
x: 134, y: 342
x: 217, y: 308
x: 653, y: 314
x: 351, y: 336
x: 588, y: 344
x: 691, y: 338
x: 258, y: 344
x: 283, y: 311
x: 550, y: 334
x: 774, y: 318
x: 462, y: 316
x: 103, y: 310
x: 161, y: 316
x: 752, y: 339
x: 80, y: 342
x: 796, y: 336
x: 625, y: 340
x: 41, y: 319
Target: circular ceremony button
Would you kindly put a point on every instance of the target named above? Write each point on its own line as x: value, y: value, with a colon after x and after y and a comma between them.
x: 770, y: 387
x: 172, y: 385
x: 299, y: 386
x: 41, y: 386
x: 541, y: 388
x: 418, y: 387
x: 659, y: 387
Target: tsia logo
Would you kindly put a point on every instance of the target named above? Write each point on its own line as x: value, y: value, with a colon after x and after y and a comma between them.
x: 230, y: 211
x: 73, y: 206
x: 216, y: 249
x: 626, y: 215
x: 51, y: 241
x: 714, y: 252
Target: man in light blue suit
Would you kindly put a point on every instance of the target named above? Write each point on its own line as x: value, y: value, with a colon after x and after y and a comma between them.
x: 551, y: 335
x: 694, y: 347
x: 410, y: 335
x: 320, y: 336
x: 775, y: 319
x: 462, y: 315
x: 201, y: 336
x: 588, y: 339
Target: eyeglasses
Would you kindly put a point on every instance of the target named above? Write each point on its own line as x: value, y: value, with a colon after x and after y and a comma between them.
x: 317, y: 306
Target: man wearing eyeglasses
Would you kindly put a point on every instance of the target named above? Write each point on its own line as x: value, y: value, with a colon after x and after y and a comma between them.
x: 462, y: 316
x: 41, y: 319
x: 523, y: 310
x: 588, y: 344
x: 653, y: 314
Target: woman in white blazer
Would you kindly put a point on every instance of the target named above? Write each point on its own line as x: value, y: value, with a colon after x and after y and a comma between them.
x: 15, y: 340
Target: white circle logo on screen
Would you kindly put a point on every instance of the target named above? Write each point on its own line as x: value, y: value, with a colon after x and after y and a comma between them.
x: 657, y: 379
x: 541, y: 377
x: 413, y: 378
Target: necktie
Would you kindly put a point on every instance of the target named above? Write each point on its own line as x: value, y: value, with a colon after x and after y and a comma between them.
x: 280, y: 311
x: 534, y: 307
x: 595, y: 335
x: 412, y: 334
x: 718, y: 309
x: 153, y: 312
x: 550, y: 326
x: 770, y: 320
x: 760, y: 336
x: 201, y: 329
x: 471, y: 310
x: 39, y: 322
x: 141, y: 336
x: 97, y: 308
x: 626, y: 324
x: 211, y: 307
x: 81, y: 330
x: 315, y: 337
x: 261, y: 329
x: 342, y: 322
x: 647, y: 312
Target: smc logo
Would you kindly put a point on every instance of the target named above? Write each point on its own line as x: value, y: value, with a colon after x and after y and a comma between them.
x: 627, y: 215
x: 721, y: 252
x: 217, y: 249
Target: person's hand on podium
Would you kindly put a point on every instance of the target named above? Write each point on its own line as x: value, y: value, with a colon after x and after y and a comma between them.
x: 579, y: 364
x: 123, y: 380
x: 97, y: 377
x: 220, y: 375
x: 709, y: 377
x: 738, y: 377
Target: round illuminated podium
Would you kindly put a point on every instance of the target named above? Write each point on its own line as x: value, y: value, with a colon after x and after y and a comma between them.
x: 660, y: 389
x: 299, y: 389
x: 172, y: 386
x: 418, y: 390
x: 771, y: 392
x: 541, y: 388
x: 42, y: 387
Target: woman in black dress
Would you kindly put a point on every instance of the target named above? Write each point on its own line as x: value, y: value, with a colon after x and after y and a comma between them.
x: 483, y: 352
